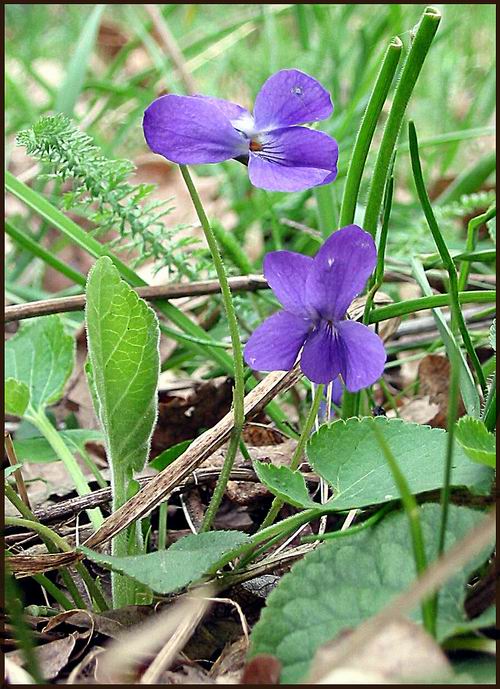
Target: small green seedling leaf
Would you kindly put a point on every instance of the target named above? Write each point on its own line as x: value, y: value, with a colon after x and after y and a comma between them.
x: 8, y: 471
x: 17, y: 397
x: 186, y: 561
x: 123, y: 335
x: 39, y: 450
x: 40, y: 356
x: 477, y: 442
x: 165, y: 458
x: 286, y: 484
x: 346, y: 581
x: 347, y: 455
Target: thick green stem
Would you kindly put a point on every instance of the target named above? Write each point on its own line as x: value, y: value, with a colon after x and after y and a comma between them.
x: 366, y: 131
x: 457, y: 315
x: 239, y: 379
x: 123, y: 588
x: 411, y: 70
x: 40, y: 420
x: 277, y: 504
x: 412, y: 512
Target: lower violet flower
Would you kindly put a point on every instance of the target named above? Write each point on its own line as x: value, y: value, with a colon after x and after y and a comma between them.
x: 315, y: 294
x: 281, y: 156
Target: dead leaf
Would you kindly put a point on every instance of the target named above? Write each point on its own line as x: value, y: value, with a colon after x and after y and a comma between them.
x: 51, y: 657
x: 434, y: 378
x: 402, y: 652
x: 419, y: 410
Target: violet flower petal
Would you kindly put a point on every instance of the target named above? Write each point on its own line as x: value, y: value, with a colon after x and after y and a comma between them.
x: 337, y: 391
x: 286, y: 273
x: 231, y: 110
x: 320, y: 360
x: 276, y: 342
x: 363, y: 355
x: 190, y: 130
x: 291, y: 97
x: 340, y: 271
x: 293, y: 159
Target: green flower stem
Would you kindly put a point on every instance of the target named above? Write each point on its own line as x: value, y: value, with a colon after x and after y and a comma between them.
x: 457, y: 315
x: 453, y: 394
x: 366, y: 131
x: 411, y: 508
x: 239, y: 379
x: 162, y: 526
x: 411, y: 70
x: 123, y: 587
x: 470, y: 245
x: 277, y: 504
x: 332, y: 535
x: 40, y: 420
x: 54, y: 591
x: 403, y: 308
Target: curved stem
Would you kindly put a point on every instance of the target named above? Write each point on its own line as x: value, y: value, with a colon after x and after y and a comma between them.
x: 239, y: 380
x: 366, y: 131
x: 412, y: 512
x: 411, y: 70
x: 457, y: 315
x: 277, y: 504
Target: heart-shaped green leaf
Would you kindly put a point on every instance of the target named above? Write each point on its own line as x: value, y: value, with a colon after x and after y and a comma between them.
x: 347, y: 455
x: 185, y: 561
x: 345, y: 581
x: 38, y: 449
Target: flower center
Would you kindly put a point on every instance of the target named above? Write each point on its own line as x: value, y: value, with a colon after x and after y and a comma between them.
x: 255, y: 145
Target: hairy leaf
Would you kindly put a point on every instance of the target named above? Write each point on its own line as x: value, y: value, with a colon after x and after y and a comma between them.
x: 123, y: 335
x: 344, y: 582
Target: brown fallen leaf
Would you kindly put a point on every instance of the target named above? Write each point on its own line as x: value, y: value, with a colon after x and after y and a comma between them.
x: 434, y: 378
x: 402, y: 652
x: 52, y: 657
x: 419, y: 410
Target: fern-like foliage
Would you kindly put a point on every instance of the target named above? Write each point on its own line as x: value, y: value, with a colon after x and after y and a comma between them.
x: 101, y: 191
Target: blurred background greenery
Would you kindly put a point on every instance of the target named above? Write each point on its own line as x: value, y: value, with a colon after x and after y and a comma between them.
x: 103, y: 64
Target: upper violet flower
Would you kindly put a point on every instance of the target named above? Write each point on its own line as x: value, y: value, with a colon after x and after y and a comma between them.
x: 281, y: 156
x: 315, y: 294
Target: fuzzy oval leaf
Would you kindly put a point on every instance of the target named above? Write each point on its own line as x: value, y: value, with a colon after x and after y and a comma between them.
x: 347, y: 455
x: 344, y: 582
x: 17, y: 397
x: 41, y: 355
x: 477, y: 442
x: 123, y: 336
x: 185, y: 561
x: 286, y: 484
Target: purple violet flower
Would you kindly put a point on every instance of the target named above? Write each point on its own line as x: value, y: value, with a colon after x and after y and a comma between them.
x: 281, y: 156
x: 315, y: 294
